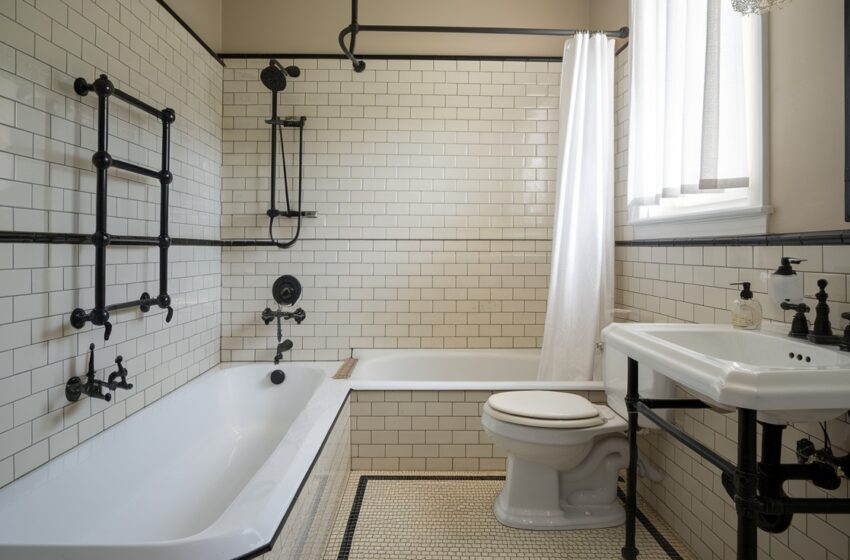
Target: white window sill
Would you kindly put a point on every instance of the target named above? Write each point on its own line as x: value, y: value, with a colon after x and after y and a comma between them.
x: 739, y: 221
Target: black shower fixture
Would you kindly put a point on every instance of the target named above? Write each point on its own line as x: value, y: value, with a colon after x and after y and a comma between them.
x: 274, y: 75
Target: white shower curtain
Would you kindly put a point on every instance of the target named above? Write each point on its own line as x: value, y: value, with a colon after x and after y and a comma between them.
x: 581, y: 285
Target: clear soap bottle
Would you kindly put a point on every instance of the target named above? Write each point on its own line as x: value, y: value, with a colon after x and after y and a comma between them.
x: 746, y: 311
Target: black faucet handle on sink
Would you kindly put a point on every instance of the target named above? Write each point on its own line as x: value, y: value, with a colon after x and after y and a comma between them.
x: 800, y: 324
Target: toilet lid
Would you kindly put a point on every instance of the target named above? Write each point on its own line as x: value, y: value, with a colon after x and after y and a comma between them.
x: 544, y: 405
x: 543, y: 423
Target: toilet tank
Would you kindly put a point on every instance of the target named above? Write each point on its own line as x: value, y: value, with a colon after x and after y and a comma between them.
x: 650, y: 385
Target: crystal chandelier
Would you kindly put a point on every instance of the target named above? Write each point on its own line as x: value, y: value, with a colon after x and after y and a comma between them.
x: 754, y: 6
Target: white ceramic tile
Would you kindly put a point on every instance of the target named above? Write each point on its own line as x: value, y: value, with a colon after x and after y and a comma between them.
x: 47, y: 134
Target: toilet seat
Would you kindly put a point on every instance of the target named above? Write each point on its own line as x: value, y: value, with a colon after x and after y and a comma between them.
x: 543, y: 409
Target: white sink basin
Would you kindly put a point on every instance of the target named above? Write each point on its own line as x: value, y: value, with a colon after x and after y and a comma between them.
x: 785, y: 379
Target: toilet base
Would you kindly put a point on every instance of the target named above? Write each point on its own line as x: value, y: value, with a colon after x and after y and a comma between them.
x: 565, y: 518
x: 545, y: 496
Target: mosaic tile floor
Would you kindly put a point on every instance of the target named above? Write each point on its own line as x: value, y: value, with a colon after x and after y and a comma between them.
x: 437, y: 516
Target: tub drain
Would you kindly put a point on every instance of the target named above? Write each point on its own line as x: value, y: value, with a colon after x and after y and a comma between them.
x: 278, y: 376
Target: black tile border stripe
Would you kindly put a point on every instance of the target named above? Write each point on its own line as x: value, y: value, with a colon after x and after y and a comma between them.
x: 834, y: 237
x: 360, y: 494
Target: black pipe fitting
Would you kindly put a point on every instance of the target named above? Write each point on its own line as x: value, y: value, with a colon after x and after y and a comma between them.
x: 98, y: 316
x: 101, y: 239
x: 103, y: 87
x: 101, y: 160
x: 166, y: 177
x: 82, y: 87
x: 168, y: 115
x: 164, y: 242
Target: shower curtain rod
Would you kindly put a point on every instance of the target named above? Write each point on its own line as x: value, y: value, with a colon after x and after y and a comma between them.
x: 354, y: 28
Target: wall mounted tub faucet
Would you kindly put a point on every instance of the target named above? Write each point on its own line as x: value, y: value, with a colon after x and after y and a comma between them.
x: 91, y: 387
x: 75, y: 387
x: 286, y: 291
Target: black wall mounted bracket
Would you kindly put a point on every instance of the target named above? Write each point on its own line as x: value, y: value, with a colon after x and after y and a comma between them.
x: 102, y: 160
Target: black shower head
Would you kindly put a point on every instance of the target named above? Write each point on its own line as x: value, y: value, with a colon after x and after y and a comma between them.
x: 274, y: 75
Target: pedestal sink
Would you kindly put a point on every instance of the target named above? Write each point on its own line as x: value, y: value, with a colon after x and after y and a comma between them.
x: 785, y: 379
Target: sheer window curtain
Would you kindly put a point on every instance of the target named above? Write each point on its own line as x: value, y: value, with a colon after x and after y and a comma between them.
x: 695, y: 106
x: 581, y: 285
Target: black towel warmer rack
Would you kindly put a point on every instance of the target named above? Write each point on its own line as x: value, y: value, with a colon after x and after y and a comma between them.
x: 102, y: 160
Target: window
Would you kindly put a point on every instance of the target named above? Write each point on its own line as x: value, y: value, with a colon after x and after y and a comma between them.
x: 696, y: 131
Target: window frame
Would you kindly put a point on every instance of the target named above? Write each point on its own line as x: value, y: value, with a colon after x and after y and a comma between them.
x: 750, y: 218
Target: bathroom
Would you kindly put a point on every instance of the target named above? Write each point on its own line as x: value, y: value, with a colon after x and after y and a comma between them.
x: 202, y: 358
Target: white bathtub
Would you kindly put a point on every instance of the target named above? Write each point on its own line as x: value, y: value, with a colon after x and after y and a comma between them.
x: 207, y: 472
x: 463, y: 370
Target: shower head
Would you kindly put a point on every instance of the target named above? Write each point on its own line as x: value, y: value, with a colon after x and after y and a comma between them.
x: 274, y: 75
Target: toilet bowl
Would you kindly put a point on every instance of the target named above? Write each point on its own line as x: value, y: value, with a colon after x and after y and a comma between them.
x: 564, y: 453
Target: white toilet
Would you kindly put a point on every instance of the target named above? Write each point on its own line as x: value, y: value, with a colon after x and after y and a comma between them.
x: 564, y: 452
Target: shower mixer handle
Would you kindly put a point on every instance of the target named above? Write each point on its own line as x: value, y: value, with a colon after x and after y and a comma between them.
x: 299, y: 315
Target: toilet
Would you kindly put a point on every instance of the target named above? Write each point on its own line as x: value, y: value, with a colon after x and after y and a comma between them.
x: 564, y: 452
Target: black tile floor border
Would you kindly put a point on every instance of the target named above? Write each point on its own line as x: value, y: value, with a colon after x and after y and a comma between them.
x: 354, y: 514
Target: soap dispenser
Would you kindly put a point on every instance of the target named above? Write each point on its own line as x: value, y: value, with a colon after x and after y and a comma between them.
x: 785, y: 285
x: 746, y: 311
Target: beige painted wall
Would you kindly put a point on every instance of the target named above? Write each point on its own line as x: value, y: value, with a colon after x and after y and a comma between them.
x: 608, y: 14
x: 290, y: 26
x: 807, y: 116
x: 203, y: 16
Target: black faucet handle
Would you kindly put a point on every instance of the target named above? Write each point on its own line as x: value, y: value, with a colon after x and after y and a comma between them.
x: 299, y: 315
x: 267, y: 315
x: 844, y: 343
x: 798, y: 307
x: 118, y: 378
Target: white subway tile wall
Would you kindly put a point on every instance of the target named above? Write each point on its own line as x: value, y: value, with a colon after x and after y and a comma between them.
x: 47, y: 183
x: 425, y: 430
x: 691, y: 284
x: 433, y: 181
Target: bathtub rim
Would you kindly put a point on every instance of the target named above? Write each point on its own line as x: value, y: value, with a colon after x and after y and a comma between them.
x: 363, y: 355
